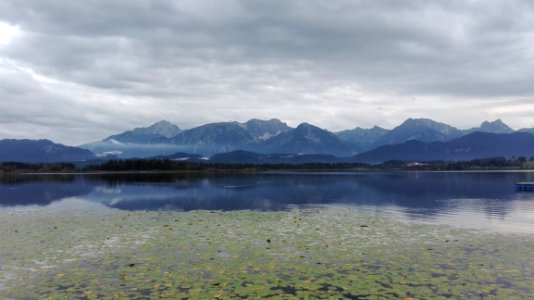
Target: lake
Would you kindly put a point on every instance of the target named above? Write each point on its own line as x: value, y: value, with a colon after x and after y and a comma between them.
x: 484, y: 200
x: 390, y: 235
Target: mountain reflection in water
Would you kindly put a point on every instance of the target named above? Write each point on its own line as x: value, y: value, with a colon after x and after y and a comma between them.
x: 449, y: 197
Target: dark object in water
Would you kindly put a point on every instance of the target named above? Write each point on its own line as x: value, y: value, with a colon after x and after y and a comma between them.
x: 524, y: 186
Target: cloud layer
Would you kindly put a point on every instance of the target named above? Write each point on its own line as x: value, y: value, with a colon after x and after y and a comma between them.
x: 80, y: 70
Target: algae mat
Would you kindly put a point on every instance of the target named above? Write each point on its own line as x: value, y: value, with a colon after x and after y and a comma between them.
x: 310, y: 253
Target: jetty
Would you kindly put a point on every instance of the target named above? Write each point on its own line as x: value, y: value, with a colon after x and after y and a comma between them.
x: 524, y: 186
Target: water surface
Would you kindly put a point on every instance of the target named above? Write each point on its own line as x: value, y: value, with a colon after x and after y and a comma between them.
x: 281, y: 236
x: 485, y: 200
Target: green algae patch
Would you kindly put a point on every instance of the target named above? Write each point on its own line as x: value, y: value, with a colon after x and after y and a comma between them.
x: 312, y: 253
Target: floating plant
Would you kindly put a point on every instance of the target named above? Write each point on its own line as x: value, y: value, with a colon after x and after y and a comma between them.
x: 311, y: 253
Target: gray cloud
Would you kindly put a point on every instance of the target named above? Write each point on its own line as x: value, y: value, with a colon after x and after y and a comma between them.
x: 81, y: 70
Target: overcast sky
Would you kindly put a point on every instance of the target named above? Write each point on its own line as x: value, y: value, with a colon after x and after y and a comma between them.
x: 78, y: 71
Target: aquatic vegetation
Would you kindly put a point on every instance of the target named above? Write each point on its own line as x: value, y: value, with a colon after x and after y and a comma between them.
x: 303, y: 253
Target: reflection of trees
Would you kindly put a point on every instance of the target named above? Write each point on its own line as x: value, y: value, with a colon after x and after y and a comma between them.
x: 26, y: 178
x: 116, y: 179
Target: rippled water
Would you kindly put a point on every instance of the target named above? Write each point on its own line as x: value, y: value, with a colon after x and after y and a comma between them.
x: 485, y: 200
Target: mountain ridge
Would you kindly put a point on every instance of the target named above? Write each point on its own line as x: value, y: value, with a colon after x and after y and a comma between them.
x: 497, y: 126
x: 472, y: 146
x: 362, y: 138
x: 274, y: 136
x: 306, y: 139
x: 41, y: 151
x: 155, y: 132
x: 421, y: 129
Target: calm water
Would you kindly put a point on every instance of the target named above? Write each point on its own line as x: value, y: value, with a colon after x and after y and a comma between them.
x: 477, y: 200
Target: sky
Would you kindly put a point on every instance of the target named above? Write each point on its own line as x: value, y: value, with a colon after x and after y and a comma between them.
x: 79, y: 71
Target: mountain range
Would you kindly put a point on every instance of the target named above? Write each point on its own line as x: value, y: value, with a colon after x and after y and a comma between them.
x: 35, y: 151
x: 205, y: 140
x: 146, y: 135
x: 415, y: 139
x: 362, y: 138
x: 472, y: 146
x: 246, y: 157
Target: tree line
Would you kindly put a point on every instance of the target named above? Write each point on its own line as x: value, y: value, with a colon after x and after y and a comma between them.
x: 132, y: 165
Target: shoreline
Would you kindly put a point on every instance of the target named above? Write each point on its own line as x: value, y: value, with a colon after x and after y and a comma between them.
x: 269, y: 171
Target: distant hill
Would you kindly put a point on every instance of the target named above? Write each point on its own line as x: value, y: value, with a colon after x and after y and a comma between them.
x: 306, y: 139
x: 246, y: 157
x: 138, y: 142
x: 497, y: 126
x: 527, y: 130
x: 472, y: 146
x: 362, y: 139
x: 228, y: 136
x: 146, y: 135
x: 213, y: 138
x: 41, y: 151
x: 263, y: 130
x: 424, y: 130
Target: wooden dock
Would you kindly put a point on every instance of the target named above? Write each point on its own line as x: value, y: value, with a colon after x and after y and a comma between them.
x: 524, y: 186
